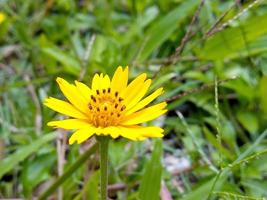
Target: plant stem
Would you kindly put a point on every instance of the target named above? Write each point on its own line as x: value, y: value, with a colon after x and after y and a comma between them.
x: 103, y: 147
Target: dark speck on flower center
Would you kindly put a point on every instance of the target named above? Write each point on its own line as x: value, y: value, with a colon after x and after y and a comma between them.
x: 106, y: 108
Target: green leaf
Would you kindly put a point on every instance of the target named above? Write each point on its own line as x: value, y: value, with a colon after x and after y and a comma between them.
x: 204, y: 189
x: 248, y: 120
x: 118, y: 157
x: 256, y: 187
x: 67, y: 174
x: 90, y: 188
x: 150, y: 183
x: 236, y: 41
x: 263, y: 94
x: 11, y: 161
x: 242, y: 88
x: 162, y: 29
x: 214, y: 141
x: 161, y: 80
x: 70, y: 64
x: 37, y: 170
x: 253, y: 48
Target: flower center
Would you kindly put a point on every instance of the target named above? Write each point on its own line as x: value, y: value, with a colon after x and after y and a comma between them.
x: 106, y: 108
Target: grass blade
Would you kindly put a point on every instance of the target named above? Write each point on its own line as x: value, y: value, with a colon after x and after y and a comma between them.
x: 150, y: 184
x: 162, y: 29
x: 11, y: 161
x: 67, y: 174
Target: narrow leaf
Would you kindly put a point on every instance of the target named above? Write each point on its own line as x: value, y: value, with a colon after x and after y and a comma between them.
x: 69, y: 62
x: 162, y: 29
x: 150, y: 183
x: 11, y: 161
x: 67, y: 174
x: 237, y: 41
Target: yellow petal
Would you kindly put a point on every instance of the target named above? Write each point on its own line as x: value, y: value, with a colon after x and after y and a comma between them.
x: 145, y: 101
x: 114, y: 132
x: 105, y: 82
x: 147, y: 132
x: 95, y: 82
x: 73, y: 95
x: 100, y: 82
x: 64, y: 107
x: 129, y: 133
x: 69, y: 124
x: 81, y: 135
x: 2, y: 17
x: 137, y: 94
x: 134, y: 132
x: 132, y: 86
x: 120, y: 79
x: 84, y: 90
x: 152, y: 131
x: 145, y: 115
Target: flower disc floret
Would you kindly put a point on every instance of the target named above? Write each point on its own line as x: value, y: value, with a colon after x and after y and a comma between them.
x: 106, y: 108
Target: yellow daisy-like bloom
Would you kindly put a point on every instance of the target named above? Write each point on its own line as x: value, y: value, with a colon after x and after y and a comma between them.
x: 110, y: 107
x: 2, y: 17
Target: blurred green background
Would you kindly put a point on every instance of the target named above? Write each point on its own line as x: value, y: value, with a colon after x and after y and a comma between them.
x: 214, y: 72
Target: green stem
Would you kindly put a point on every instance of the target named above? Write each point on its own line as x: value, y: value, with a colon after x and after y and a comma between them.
x: 103, y: 147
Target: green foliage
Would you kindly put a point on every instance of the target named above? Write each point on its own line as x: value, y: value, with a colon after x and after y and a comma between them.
x: 12, y: 160
x: 237, y: 41
x: 150, y: 183
x: 215, y: 143
x: 161, y: 30
x: 68, y: 172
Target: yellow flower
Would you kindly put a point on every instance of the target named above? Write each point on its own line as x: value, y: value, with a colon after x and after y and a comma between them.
x: 110, y: 107
x: 2, y: 17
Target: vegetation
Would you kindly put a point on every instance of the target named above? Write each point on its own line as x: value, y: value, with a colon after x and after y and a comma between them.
x: 210, y: 57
